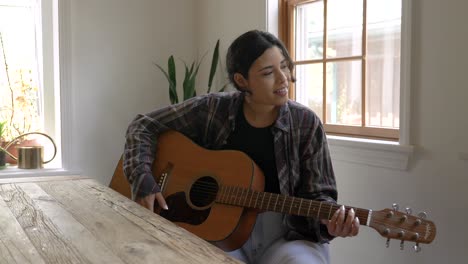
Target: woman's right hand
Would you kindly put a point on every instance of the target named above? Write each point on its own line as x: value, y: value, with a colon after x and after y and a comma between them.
x: 148, y: 201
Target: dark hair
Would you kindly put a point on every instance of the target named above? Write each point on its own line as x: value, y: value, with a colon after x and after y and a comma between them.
x: 246, y: 48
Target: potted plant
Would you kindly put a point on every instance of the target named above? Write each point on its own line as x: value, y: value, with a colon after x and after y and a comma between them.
x: 189, y: 82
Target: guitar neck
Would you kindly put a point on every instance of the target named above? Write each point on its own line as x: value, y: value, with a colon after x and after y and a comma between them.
x: 265, y: 201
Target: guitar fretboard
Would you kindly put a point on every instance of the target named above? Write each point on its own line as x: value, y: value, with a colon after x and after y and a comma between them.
x: 265, y: 201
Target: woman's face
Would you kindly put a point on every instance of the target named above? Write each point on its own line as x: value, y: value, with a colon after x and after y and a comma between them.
x: 268, y: 79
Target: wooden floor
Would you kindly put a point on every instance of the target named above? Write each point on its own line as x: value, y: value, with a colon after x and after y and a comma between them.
x: 77, y: 220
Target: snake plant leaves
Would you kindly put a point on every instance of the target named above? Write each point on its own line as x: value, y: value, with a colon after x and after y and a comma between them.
x: 171, y: 78
x: 190, y: 76
x: 214, y: 64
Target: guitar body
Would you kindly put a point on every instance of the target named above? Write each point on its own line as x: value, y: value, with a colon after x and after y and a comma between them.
x: 180, y: 168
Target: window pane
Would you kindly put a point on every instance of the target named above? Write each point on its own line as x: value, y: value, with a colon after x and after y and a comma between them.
x: 344, y: 93
x: 309, y: 31
x: 19, y: 82
x: 309, y: 87
x: 344, y: 28
x: 383, y: 63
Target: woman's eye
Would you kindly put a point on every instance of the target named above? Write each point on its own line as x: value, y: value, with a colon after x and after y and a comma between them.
x: 267, y: 73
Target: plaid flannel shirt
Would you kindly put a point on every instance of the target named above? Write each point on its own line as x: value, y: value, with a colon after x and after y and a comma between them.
x: 301, y: 150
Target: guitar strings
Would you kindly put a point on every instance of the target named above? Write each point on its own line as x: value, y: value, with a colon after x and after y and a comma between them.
x: 206, y: 190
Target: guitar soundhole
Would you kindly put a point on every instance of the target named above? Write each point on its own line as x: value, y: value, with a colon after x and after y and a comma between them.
x: 203, y: 191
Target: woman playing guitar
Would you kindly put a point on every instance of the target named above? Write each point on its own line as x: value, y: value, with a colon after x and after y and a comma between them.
x: 284, y: 138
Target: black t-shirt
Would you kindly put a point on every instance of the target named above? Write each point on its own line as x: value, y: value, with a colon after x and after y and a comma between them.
x: 257, y: 143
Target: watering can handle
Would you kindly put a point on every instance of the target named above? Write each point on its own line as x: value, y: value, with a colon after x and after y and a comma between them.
x: 30, y: 133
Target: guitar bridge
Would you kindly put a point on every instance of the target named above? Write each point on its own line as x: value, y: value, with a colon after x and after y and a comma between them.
x: 164, y: 175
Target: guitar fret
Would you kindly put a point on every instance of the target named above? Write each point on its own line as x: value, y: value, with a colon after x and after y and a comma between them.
x: 263, y: 197
x: 250, y: 200
x: 268, y: 206
x: 277, y: 197
x: 228, y: 198
x: 221, y: 194
x: 233, y: 195
x: 259, y: 194
x: 256, y: 199
x: 284, y: 201
x: 228, y: 194
x: 244, y: 194
x: 245, y: 198
x: 329, y: 212
x: 300, y: 204
x: 237, y: 195
x: 318, y: 212
x: 290, y: 207
x: 242, y: 190
x: 308, y: 210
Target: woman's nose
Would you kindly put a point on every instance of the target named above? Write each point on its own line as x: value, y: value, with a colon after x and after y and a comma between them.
x: 282, y: 76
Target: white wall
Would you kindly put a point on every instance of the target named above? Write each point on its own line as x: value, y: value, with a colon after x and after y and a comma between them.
x: 115, y: 42
x: 114, y: 46
x: 224, y: 20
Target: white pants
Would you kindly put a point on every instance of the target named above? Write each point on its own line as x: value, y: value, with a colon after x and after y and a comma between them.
x: 266, y: 245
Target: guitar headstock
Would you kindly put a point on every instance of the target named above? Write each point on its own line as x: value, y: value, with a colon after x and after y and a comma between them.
x: 392, y: 224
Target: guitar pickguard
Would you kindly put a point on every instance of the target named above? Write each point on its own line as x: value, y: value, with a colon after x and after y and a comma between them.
x: 180, y: 211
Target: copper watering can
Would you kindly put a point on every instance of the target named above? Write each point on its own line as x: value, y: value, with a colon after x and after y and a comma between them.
x: 30, y: 157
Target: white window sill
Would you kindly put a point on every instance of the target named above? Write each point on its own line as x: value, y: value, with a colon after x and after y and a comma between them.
x: 14, y: 172
x: 377, y: 153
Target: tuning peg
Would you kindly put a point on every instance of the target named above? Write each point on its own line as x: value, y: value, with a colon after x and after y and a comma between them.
x: 403, y: 218
x: 417, y: 248
x: 395, y: 207
x: 387, y: 244
x: 422, y: 215
x: 402, y: 245
x: 408, y: 210
x: 386, y: 231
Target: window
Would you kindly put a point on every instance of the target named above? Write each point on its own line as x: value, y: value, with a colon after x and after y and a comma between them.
x: 348, y: 63
x: 29, y: 75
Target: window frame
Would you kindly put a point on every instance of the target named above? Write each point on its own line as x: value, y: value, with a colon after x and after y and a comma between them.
x: 366, y: 151
x: 286, y: 18
x: 61, y: 97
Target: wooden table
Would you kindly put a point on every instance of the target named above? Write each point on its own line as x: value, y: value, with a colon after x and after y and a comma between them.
x: 73, y: 219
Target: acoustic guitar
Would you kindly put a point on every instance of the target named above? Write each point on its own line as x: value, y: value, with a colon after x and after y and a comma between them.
x: 217, y: 195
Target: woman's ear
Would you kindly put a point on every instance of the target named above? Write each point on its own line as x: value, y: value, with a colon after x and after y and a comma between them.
x: 240, y: 80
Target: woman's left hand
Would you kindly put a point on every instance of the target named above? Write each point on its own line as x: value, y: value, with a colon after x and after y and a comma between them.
x: 338, y: 226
